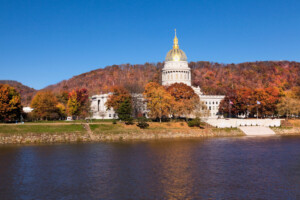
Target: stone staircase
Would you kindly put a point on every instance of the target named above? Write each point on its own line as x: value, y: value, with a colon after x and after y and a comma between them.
x: 257, y: 130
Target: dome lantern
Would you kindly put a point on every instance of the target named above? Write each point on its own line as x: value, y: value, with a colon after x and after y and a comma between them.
x: 176, y: 54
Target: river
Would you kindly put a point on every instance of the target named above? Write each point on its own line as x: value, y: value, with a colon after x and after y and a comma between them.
x: 214, y: 168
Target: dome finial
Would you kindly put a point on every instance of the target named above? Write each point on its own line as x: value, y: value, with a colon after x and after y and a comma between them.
x: 175, y: 46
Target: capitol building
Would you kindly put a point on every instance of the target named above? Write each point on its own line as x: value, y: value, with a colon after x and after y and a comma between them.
x: 175, y: 70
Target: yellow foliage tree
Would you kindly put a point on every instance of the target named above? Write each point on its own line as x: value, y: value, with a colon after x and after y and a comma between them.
x: 159, y: 101
x: 289, y: 104
x: 73, y: 105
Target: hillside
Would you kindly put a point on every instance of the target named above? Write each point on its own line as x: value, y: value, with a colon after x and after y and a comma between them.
x: 26, y: 92
x: 213, y: 78
x: 133, y: 77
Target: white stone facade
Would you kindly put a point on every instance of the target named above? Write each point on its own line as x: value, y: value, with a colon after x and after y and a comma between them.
x: 99, y: 109
x: 176, y: 72
x: 212, y: 103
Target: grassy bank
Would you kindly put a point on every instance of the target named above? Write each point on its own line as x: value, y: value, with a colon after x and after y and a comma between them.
x: 107, y: 131
x: 154, y: 127
x: 7, y: 130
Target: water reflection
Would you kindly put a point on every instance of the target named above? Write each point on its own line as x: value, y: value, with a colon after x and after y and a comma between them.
x: 219, y: 168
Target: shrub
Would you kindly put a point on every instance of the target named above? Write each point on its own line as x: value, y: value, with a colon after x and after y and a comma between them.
x: 129, y: 121
x: 194, y: 122
x: 142, y: 123
x: 114, y: 121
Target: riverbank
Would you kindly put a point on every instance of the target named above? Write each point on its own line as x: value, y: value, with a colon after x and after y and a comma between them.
x: 38, y: 133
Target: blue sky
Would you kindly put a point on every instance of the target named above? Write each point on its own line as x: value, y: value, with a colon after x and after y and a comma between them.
x: 43, y: 42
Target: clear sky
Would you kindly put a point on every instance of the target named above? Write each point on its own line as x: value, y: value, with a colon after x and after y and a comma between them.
x: 45, y: 41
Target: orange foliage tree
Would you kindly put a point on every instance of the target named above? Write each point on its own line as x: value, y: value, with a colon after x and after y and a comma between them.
x: 44, y: 105
x: 159, y: 101
x: 118, y: 95
x: 186, y: 100
x: 10, y: 103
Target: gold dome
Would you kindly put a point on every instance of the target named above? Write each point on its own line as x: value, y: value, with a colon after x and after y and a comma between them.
x: 176, y: 54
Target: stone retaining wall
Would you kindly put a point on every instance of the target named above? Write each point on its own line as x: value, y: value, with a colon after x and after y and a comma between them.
x: 233, y: 123
x: 164, y: 134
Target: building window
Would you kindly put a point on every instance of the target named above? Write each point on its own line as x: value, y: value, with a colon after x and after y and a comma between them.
x: 109, y: 115
x: 209, y: 107
x: 217, y: 102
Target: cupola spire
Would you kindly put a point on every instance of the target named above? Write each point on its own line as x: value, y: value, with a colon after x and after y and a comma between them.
x: 175, y: 46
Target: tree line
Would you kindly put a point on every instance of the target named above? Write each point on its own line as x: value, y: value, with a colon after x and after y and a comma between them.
x: 261, y: 102
x: 46, y: 105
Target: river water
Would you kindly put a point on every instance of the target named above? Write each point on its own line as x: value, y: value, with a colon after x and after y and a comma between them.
x: 215, y: 168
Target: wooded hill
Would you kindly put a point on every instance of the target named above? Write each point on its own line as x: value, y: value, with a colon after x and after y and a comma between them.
x: 213, y: 78
x: 26, y: 92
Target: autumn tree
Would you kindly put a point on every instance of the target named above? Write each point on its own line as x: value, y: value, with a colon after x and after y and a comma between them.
x: 10, y: 104
x: 73, y: 104
x: 44, y: 105
x: 63, y: 97
x: 186, y: 100
x: 61, y: 110
x: 119, y: 96
x: 159, y: 101
x: 83, y: 99
x: 289, y: 104
x: 78, y: 103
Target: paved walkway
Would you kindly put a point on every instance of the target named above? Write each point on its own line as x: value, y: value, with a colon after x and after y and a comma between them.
x: 257, y: 130
x: 89, y: 131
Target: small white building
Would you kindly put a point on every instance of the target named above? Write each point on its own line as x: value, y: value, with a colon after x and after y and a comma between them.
x: 99, y: 109
x: 175, y: 70
x: 27, y: 109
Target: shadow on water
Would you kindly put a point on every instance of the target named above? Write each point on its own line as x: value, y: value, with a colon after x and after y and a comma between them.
x: 215, y: 168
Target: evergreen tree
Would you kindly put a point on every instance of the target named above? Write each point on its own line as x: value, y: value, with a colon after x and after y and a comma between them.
x: 125, y: 110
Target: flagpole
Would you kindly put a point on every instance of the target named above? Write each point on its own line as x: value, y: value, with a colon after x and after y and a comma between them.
x: 229, y: 109
x: 256, y: 109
